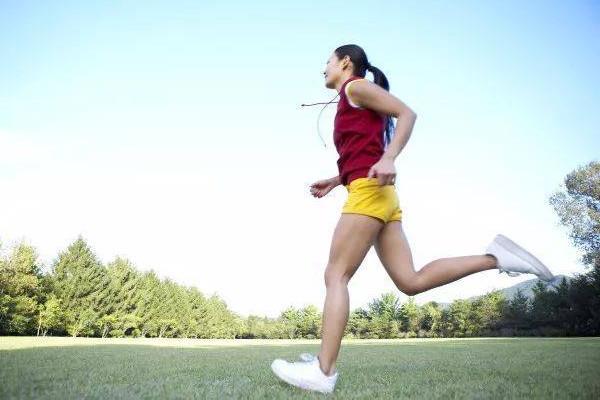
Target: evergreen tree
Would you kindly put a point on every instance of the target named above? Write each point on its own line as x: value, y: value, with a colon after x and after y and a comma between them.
x: 120, y: 319
x: 543, y: 305
x: 516, y: 313
x: 20, y: 290
x: 81, y: 283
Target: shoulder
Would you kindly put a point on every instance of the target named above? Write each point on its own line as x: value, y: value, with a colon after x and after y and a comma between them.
x: 352, y: 87
x: 356, y: 90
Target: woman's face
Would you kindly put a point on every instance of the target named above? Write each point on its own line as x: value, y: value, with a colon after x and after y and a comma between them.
x: 334, y: 70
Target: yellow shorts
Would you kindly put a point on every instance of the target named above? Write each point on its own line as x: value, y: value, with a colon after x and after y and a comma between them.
x: 367, y: 197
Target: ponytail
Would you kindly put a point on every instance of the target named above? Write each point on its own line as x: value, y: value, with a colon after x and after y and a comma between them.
x: 380, y: 79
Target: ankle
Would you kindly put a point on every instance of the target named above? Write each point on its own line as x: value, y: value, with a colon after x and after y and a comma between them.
x: 326, y: 371
x: 493, y: 260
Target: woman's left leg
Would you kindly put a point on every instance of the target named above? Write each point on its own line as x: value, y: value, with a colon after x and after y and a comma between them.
x: 353, y: 237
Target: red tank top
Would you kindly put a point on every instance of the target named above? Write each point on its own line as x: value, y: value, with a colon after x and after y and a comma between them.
x: 358, y: 138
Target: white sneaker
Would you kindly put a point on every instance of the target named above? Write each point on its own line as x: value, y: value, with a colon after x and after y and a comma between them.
x: 515, y: 260
x: 305, y: 375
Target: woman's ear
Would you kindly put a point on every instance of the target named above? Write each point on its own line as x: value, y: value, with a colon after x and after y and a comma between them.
x: 346, y: 62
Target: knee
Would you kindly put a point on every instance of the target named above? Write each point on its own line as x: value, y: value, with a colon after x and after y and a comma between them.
x: 409, y: 288
x: 336, y: 275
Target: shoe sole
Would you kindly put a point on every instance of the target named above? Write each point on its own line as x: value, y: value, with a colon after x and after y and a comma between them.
x: 520, y: 252
x: 292, y: 381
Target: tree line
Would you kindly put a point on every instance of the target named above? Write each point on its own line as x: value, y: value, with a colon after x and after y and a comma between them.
x: 82, y: 297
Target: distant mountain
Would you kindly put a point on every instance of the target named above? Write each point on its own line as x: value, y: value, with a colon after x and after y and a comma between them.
x: 526, y: 288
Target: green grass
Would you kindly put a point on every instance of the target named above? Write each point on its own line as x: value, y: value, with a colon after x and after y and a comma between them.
x: 494, y: 368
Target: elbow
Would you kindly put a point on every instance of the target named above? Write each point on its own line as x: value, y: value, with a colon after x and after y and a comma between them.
x: 407, y: 113
x: 411, y: 113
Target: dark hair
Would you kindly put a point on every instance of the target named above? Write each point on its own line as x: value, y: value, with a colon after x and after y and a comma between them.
x: 361, y: 66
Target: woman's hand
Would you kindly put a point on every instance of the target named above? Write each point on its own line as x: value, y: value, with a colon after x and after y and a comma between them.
x: 384, y: 170
x: 322, y: 187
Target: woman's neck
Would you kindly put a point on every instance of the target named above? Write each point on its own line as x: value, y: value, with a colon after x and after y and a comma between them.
x: 341, y: 82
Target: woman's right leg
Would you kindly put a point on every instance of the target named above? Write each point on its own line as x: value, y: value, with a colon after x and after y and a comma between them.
x: 352, y: 238
x: 395, y: 255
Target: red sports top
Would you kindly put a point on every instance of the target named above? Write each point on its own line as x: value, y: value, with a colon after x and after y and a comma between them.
x: 358, y: 138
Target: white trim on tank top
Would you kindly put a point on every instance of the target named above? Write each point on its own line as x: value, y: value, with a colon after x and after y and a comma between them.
x: 348, y: 97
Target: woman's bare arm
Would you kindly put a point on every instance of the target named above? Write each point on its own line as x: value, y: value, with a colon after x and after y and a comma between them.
x: 369, y: 95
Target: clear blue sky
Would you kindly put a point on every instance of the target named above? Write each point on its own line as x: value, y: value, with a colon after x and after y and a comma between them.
x: 171, y: 128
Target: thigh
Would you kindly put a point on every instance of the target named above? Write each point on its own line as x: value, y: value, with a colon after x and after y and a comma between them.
x: 353, y: 237
x: 394, y: 253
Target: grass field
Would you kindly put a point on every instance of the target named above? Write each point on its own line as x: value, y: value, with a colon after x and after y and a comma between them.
x: 482, y: 368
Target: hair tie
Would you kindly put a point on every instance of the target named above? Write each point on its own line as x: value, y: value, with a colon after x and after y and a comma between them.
x: 369, y: 66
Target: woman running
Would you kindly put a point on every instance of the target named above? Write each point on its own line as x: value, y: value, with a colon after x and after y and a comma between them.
x: 372, y: 215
